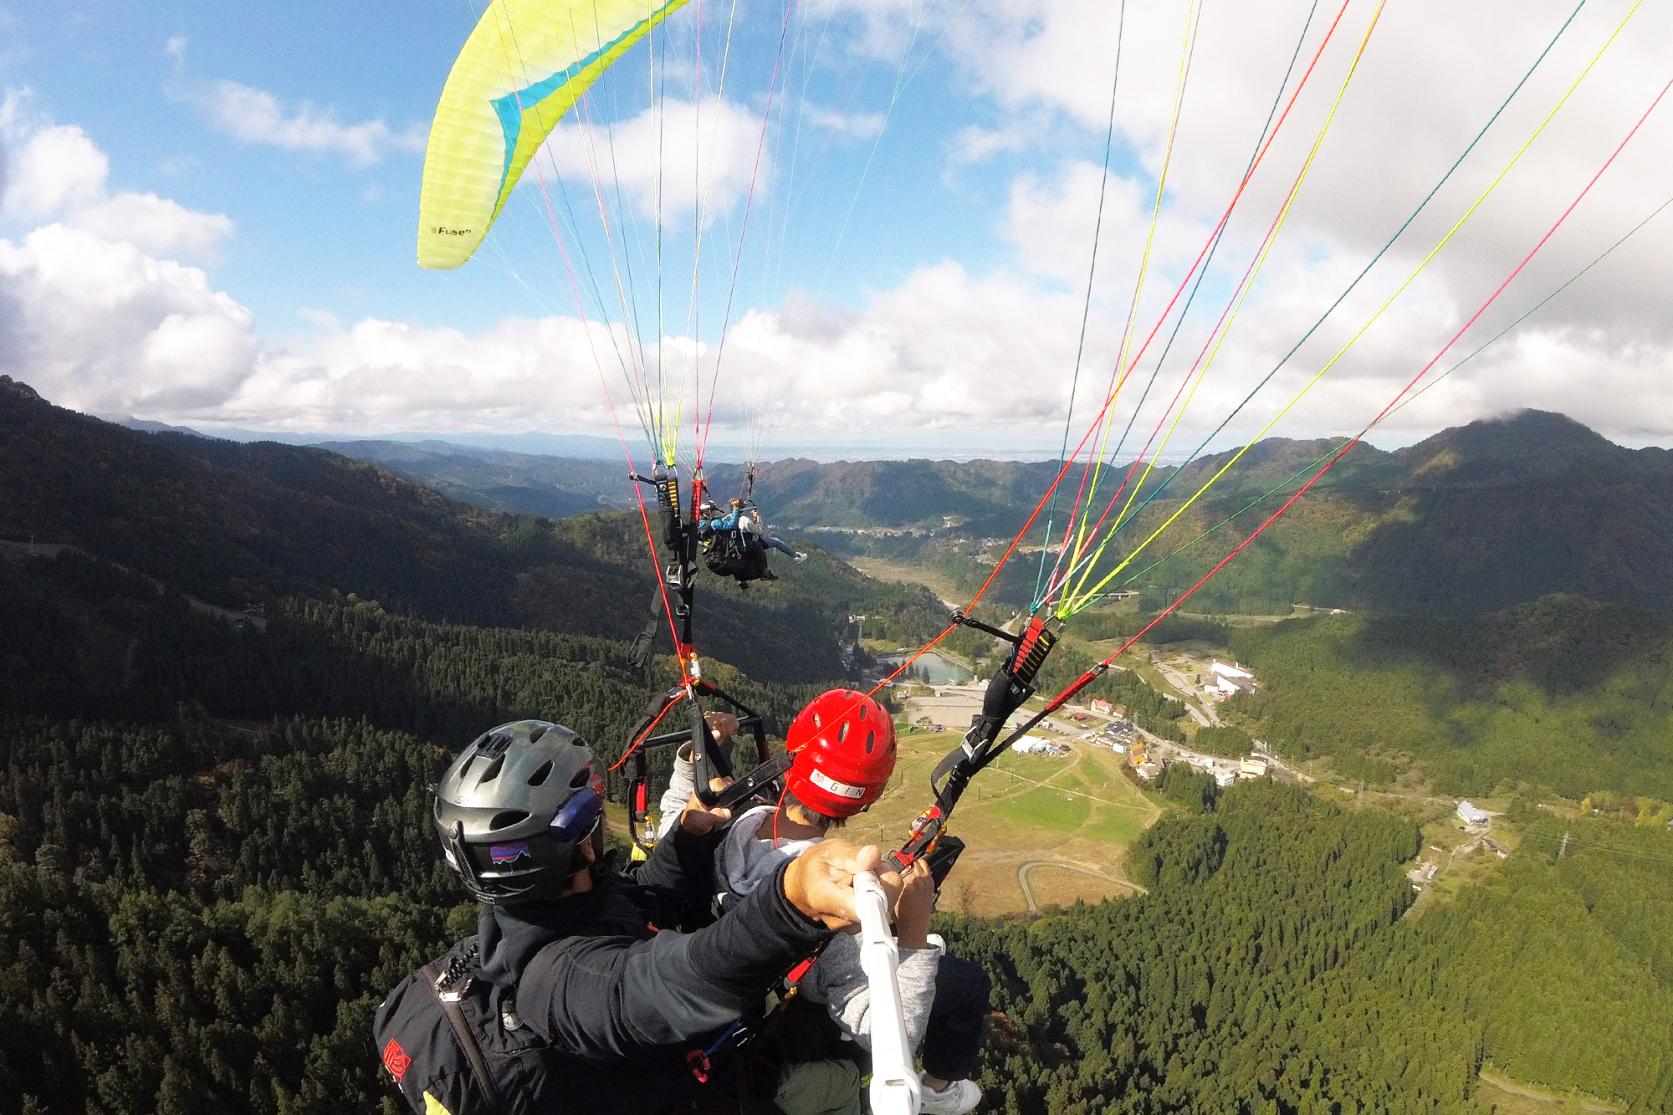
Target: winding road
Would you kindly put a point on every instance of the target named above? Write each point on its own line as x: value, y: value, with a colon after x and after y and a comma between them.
x: 1028, y: 891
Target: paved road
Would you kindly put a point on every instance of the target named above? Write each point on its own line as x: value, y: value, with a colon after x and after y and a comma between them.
x: 1201, y: 712
x: 1028, y: 891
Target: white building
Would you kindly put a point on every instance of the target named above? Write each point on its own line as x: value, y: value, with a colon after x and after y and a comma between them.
x: 1228, y: 680
x: 1470, y: 815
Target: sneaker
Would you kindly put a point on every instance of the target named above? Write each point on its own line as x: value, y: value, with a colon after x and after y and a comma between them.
x: 800, y: 558
x: 958, y: 1097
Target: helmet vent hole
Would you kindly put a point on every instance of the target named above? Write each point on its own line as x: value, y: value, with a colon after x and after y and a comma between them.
x: 538, y: 778
x: 582, y: 778
x: 842, y: 732
x: 493, y: 770
x: 537, y: 733
x: 506, y: 819
x: 871, y: 741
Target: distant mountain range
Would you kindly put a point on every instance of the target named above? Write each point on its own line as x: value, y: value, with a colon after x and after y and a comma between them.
x: 234, y: 525
x: 580, y: 446
x: 1472, y: 520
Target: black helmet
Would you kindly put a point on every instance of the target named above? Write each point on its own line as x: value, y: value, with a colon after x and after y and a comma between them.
x: 515, y: 807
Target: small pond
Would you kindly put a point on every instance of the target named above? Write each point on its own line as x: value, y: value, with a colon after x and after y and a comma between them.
x: 932, y: 668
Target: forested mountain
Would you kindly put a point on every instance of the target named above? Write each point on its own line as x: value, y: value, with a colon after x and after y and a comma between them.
x: 1562, y: 693
x: 237, y: 525
x: 1472, y: 520
x: 213, y: 912
x: 519, y: 483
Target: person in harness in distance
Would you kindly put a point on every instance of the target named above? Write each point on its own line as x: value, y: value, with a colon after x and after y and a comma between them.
x: 735, y: 544
x: 579, y: 991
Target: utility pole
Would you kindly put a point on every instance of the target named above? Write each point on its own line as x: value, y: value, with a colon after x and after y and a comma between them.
x: 859, y: 635
x: 1563, y: 850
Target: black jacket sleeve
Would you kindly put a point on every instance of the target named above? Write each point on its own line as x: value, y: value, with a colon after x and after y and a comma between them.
x: 616, y: 998
x: 681, y: 869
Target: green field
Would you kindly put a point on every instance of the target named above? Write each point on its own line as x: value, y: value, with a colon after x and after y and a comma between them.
x: 1078, y: 809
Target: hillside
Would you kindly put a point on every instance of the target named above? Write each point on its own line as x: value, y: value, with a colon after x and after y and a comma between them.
x: 517, y: 483
x: 241, y: 525
x: 1562, y: 693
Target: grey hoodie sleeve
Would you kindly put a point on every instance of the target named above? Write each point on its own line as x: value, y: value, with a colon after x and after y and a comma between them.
x: 837, y: 980
x: 682, y: 782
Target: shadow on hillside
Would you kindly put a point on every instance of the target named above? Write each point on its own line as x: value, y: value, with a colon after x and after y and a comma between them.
x: 1564, y: 645
x: 1470, y: 549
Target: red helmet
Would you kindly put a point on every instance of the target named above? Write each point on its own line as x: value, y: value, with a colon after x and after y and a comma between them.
x: 842, y: 748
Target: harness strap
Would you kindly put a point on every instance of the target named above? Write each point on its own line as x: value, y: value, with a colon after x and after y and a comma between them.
x: 467, y: 1040
x: 645, y: 642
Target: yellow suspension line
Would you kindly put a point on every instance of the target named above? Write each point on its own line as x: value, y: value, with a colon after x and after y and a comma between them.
x: 1185, y: 49
x: 1075, y: 596
x: 1363, y: 329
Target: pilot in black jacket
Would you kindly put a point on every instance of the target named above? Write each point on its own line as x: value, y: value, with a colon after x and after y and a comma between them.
x: 579, y: 989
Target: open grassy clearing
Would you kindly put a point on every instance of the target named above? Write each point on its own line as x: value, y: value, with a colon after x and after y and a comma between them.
x: 1054, y: 885
x: 1077, y: 809
x: 904, y: 573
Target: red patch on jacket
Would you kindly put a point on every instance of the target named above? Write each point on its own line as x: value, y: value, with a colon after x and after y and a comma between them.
x: 395, y: 1059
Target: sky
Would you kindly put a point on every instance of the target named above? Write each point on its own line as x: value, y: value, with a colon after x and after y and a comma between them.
x: 873, y: 228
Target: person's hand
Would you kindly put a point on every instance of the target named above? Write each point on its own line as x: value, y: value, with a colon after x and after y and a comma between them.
x: 915, y: 905
x: 820, y: 881
x: 722, y: 725
x: 698, y: 819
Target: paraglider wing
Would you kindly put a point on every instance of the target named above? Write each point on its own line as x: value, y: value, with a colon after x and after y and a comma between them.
x: 524, y: 66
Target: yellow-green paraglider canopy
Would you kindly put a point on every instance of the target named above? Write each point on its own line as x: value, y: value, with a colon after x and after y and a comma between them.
x: 524, y: 66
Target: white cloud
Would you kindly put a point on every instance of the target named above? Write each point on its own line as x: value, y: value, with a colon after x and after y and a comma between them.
x: 853, y: 125
x: 886, y: 29
x: 695, y: 153
x: 55, y: 172
x: 156, y: 225
x: 175, y: 48
x: 975, y: 144
x: 102, y: 326
x: 54, y: 169
x: 952, y: 354
x: 17, y: 112
x: 380, y: 375
x: 255, y: 116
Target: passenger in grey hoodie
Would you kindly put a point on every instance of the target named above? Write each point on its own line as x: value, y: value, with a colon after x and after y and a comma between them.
x: 944, y: 999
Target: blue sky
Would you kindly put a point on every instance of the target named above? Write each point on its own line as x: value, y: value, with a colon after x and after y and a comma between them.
x: 209, y: 211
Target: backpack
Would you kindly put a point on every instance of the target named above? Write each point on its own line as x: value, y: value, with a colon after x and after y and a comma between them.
x: 733, y: 554
x: 454, y: 1056
x: 442, y: 1046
